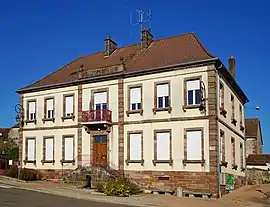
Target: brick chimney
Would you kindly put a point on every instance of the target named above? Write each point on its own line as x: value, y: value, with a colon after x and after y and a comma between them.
x: 147, y: 38
x: 232, y: 66
x: 110, y: 46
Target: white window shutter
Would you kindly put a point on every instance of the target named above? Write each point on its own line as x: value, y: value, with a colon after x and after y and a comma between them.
x: 135, y: 95
x: 135, y: 146
x: 163, y: 146
x: 32, y: 107
x: 69, y: 148
x: 100, y: 98
x: 69, y: 104
x: 162, y: 90
x: 50, y: 104
x: 193, y: 85
x: 31, y: 149
x: 194, y: 145
x: 49, y: 149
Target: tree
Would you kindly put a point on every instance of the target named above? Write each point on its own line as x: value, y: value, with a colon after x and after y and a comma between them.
x: 10, y: 149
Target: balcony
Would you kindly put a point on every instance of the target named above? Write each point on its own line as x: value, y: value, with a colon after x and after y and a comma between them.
x: 97, y: 117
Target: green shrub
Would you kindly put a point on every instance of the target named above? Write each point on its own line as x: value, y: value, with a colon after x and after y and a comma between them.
x: 99, y: 187
x: 30, y: 174
x: 12, y: 172
x: 121, y: 187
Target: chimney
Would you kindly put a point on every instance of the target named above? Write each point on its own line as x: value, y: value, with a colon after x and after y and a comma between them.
x: 232, y: 66
x: 147, y: 38
x: 110, y: 46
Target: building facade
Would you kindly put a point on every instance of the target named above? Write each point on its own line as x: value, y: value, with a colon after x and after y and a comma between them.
x: 253, y: 137
x: 165, y: 112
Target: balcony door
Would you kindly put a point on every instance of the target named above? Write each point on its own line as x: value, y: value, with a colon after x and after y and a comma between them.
x: 100, y: 150
x: 100, y: 101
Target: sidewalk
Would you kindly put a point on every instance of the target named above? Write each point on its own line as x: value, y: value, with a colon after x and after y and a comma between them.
x: 144, y: 200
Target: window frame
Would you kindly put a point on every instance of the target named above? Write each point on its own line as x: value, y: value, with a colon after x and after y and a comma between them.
x: 222, y: 148
x: 222, y: 99
x: 63, y: 149
x: 45, y: 118
x: 233, y: 119
x: 128, y: 160
x: 44, y: 160
x: 28, y: 111
x: 92, y: 101
x: 26, y: 160
x: 129, y: 110
x: 155, y: 160
x: 169, y: 107
x: 234, y: 166
x: 185, y: 92
x: 199, y: 161
x: 64, y: 117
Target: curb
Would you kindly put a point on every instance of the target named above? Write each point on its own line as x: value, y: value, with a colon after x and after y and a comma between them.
x: 13, y: 179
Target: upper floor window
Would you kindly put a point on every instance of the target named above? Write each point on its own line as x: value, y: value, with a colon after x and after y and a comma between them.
x: 162, y: 95
x: 193, y: 92
x: 135, y: 98
x: 49, y: 108
x: 221, y: 96
x: 69, y: 106
x: 31, y: 110
x: 241, y: 114
x: 232, y: 105
x: 100, y: 100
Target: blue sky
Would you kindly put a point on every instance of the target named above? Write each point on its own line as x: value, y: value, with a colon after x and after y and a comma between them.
x: 37, y: 37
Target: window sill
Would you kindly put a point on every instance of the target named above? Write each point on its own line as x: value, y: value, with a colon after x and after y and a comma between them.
x: 68, y: 117
x: 243, y: 169
x: 31, y: 121
x: 185, y: 107
x: 48, y: 119
x: 169, y: 109
x: 140, y: 111
x: 234, y: 121
x: 67, y: 161
x: 202, y: 162
x: 135, y: 161
x: 170, y: 162
x: 223, y: 163
x: 30, y: 161
x: 234, y: 166
x: 48, y: 161
x: 242, y: 128
x: 223, y: 111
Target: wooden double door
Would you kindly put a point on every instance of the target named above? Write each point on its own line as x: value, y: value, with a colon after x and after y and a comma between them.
x: 100, y: 150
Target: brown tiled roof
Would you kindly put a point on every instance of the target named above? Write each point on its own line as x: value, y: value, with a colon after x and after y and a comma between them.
x: 161, y: 53
x: 4, y: 133
x: 252, y: 126
x: 258, y: 159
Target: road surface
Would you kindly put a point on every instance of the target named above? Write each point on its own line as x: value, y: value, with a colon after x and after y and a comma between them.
x: 13, y: 197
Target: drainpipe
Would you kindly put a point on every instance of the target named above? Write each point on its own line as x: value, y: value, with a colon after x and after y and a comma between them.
x: 218, y: 134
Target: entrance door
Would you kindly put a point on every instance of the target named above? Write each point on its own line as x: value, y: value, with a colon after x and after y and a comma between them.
x: 100, y: 150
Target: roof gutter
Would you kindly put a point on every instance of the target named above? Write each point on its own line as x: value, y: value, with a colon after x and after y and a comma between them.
x: 129, y: 73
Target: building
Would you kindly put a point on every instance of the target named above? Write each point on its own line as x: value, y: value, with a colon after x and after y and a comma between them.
x: 166, y: 112
x: 253, y: 136
x: 258, y: 161
x: 10, y: 133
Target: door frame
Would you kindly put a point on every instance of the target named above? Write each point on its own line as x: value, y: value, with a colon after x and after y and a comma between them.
x: 92, y: 139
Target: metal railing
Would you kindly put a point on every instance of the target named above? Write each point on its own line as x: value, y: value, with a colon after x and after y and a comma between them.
x: 97, y: 116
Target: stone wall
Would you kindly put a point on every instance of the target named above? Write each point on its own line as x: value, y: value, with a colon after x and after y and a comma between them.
x: 257, y: 176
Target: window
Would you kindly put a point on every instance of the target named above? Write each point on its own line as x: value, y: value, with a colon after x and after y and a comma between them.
x: 222, y: 146
x: 241, y: 114
x: 163, y: 146
x: 30, y: 149
x: 49, y: 108
x: 68, y: 148
x: 100, y: 101
x: 221, y: 96
x: 233, y: 150
x: 162, y: 95
x: 232, y: 104
x: 32, y: 110
x: 135, y: 146
x: 193, y: 92
x: 48, y: 149
x: 69, y: 106
x: 241, y: 156
x: 135, y: 98
x: 194, y: 145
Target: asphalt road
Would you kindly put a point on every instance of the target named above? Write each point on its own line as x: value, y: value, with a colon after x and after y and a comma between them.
x: 13, y: 197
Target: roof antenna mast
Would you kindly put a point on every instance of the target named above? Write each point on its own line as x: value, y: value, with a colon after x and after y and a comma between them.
x: 143, y: 18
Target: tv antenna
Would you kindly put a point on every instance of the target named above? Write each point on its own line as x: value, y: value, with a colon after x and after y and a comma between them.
x: 143, y: 18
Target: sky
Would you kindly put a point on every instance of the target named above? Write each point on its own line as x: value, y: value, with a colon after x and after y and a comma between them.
x: 38, y: 37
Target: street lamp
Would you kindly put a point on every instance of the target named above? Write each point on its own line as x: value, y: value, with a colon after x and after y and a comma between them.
x: 20, y: 114
x: 256, y: 108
